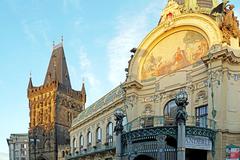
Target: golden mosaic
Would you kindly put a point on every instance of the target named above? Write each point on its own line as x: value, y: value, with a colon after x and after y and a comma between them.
x: 176, y: 51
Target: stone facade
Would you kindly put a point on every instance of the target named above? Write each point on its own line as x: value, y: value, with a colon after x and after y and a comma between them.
x: 199, y: 62
x: 18, y: 147
x: 52, y: 108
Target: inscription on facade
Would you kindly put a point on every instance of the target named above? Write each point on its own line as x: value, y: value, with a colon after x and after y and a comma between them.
x: 197, y: 142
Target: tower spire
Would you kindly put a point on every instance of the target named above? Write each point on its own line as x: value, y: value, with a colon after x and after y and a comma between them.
x: 57, y: 68
x: 83, y: 91
x: 30, y: 84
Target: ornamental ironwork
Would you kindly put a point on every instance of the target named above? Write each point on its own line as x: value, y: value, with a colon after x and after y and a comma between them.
x: 149, y: 133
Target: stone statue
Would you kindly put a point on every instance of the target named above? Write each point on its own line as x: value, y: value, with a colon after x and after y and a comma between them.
x: 181, y: 115
x: 182, y: 101
x: 230, y: 24
x: 119, y: 115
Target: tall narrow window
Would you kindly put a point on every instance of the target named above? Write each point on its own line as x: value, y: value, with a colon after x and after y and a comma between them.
x: 99, y: 135
x: 201, y: 116
x: 110, y: 133
x: 81, y: 142
x: 89, y: 136
x: 74, y: 145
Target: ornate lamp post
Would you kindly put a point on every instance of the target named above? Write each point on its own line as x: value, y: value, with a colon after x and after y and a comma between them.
x: 181, y: 117
x: 118, y: 129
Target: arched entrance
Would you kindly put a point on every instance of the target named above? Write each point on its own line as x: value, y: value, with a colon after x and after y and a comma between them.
x: 143, y: 157
x: 41, y: 158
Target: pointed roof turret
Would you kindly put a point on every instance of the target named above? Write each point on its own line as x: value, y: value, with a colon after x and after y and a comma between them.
x: 83, y: 92
x: 83, y: 88
x: 30, y: 84
x: 57, y: 68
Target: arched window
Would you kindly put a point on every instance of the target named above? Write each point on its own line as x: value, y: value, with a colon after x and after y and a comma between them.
x: 125, y: 121
x: 74, y: 145
x: 81, y: 142
x: 110, y: 133
x: 99, y: 135
x: 170, y: 109
x: 89, y: 138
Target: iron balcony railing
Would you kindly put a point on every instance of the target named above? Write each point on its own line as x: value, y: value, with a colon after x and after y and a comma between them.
x: 91, y: 150
x: 158, y: 121
x: 153, y: 148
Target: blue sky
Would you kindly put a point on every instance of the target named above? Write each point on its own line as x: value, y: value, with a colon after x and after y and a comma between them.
x: 97, y: 38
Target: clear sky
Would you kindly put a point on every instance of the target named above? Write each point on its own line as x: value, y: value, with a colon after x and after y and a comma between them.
x: 97, y: 38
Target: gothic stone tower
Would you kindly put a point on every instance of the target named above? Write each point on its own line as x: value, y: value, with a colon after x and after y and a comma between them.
x: 52, y: 106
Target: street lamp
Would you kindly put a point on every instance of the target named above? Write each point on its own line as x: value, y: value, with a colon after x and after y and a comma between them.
x: 118, y: 129
x: 35, y: 140
x: 181, y: 98
x: 181, y: 117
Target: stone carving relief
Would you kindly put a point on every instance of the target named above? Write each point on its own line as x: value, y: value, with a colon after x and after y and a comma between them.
x: 201, y: 95
x: 230, y: 24
x: 148, y: 110
x: 131, y: 101
x: 233, y: 76
x: 216, y: 76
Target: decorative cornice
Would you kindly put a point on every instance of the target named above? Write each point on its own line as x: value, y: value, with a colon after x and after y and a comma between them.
x: 224, y: 54
x: 133, y: 84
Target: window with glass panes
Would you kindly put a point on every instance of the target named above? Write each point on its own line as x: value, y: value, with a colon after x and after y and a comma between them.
x: 201, y: 116
x: 110, y: 133
x: 99, y: 135
x: 89, y: 135
x: 81, y: 142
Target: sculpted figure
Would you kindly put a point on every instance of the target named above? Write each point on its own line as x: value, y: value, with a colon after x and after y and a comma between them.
x: 230, y: 24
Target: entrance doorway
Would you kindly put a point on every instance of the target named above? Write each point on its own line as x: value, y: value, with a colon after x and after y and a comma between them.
x: 195, y: 154
x: 143, y: 157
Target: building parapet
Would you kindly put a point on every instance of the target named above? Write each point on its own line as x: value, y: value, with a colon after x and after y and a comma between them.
x: 105, y: 101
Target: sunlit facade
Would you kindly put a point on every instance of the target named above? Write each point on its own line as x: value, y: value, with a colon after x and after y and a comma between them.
x: 189, y: 50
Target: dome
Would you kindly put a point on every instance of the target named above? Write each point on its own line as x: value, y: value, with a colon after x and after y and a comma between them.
x: 205, y: 3
x: 200, y: 3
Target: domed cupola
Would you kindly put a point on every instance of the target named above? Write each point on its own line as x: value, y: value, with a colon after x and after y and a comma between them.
x: 197, y: 5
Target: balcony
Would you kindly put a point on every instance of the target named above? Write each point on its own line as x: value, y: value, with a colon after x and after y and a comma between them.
x: 162, y: 121
x: 91, y: 151
x: 156, y: 136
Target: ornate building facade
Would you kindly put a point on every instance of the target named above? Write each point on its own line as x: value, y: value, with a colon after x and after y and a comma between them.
x: 194, y: 48
x: 52, y: 106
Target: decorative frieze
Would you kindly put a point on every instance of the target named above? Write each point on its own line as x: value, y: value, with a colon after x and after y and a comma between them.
x: 111, y: 97
x: 233, y: 76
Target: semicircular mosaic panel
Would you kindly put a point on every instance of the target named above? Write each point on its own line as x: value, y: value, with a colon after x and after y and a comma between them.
x: 174, y: 52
